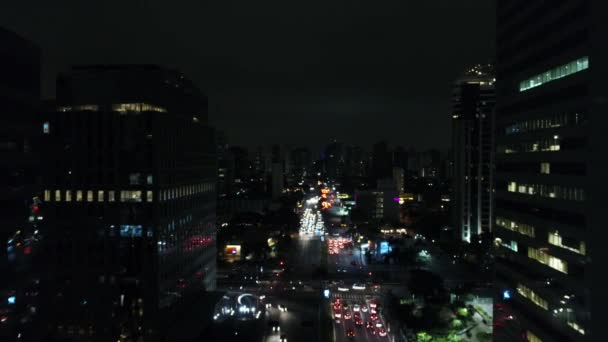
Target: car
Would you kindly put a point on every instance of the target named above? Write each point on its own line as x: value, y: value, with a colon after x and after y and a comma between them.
x: 338, y: 321
x: 337, y: 314
x: 357, y: 315
x: 274, y: 325
x: 382, y: 332
x: 358, y: 322
x: 372, y: 331
x: 283, y: 308
x: 369, y: 325
x: 345, y: 306
x: 350, y: 333
x: 364, y: 308
x: 357, y: 286
x: 378, y: 324
x: 347, y: 315
x: 373, y: 317
x: 356, y: 308
x: 283, y: 338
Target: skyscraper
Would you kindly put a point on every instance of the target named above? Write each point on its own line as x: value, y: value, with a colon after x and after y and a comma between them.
x: 381, y: 161
x: 20, y: 215
x: 472, y: 145
x: 334, y: 160
x: 130, y: 181
x: 301, y: 163
x: 551, y: 166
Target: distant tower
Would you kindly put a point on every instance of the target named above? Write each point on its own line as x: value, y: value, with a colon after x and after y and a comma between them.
x: 277, y: 180
x: 472, y: 134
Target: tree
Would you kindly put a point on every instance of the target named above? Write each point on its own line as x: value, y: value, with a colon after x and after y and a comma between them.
x: 423, y: 336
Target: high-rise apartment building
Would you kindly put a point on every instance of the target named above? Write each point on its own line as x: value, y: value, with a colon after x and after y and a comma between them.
x: 551, y: 167
x: 472, y: 146
x: 130, y: 180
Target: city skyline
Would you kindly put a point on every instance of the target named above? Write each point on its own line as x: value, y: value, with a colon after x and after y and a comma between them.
x: 295, y: 66
x: 329, y: 171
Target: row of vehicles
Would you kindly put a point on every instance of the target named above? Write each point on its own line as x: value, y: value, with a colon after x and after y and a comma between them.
x: 336, y: 245
x: 342, y: 310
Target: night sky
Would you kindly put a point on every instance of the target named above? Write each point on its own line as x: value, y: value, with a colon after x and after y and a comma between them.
x: 297, y: 73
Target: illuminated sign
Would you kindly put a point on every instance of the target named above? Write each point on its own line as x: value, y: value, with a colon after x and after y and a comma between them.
x: 233, y: 251
x: 343, y: 196
x: 325, y: 191
x: 384, y: 247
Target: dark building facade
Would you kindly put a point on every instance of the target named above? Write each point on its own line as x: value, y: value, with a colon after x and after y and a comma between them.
x: 20, y: 215
x: 472, y: 145
x: 551, y: 167
x: 334, y: 160
x: 301, y: 165
x: 382, y: 161
x: 130, y: 180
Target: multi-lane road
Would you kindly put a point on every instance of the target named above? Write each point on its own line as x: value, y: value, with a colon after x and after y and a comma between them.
x: 358, y: 309
x: 301, y: 292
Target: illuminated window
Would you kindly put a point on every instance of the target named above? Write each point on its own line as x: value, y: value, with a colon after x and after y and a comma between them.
x: 47, y: 195
x: 511, y: 245
x: 545, y: 168
x: 79, y: 196
x: 555, y: 73
x: 134, y: 178
x: 68, y: 196
x: 554, y: 121
x: 149, y: 179
x: 549, y: 260
x: 149, y: 195
x: 556, y: 239
x: 136, y: 108
x: 531, y: 337
x: 528, y: 293
x: 550, y: 191
x: 576, y: 327
x: 57, y: 195
x: 80, y: 108
x: 100, y: 196
x: 90, y: 196
x: 46, y: 128
x: 92, y: 108
x: 130, y: 196
x: 111, y: 197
